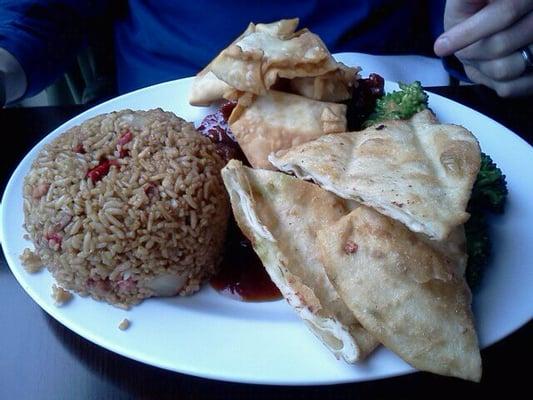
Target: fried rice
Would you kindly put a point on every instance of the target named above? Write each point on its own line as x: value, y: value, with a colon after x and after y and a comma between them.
x: 128, y: 205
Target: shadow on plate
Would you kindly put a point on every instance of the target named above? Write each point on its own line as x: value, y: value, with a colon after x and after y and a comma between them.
x: 117, y: 377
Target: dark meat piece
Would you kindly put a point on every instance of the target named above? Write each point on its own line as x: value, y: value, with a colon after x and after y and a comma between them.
x: 215, y: 127
x: 363, y: 100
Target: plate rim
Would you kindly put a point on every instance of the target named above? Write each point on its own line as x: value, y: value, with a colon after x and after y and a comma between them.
x: 222, y: 376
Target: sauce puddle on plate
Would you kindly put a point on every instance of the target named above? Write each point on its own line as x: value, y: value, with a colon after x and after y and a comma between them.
x: 242, y: 275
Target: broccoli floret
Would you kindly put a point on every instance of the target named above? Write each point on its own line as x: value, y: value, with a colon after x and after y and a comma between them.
x: 400, y: 104
x: 478, y: 248
x: 488, y: 195
x: 490, y: 189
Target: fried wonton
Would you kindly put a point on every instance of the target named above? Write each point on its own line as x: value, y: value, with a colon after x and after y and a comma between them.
x: 334, y: 86
x: 278, y: 120
x: 416, y: 171
x: 280, y: 215
x: 407, y: 294
x: 207, y: 88
x: 263, y: 54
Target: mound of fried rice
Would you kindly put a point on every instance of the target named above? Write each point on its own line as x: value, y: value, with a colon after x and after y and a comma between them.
x: 128, y: 205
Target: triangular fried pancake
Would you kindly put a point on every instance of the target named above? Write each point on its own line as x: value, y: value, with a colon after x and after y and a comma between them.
x: 280, y: 215
x: 416, y: 171
x: 406, y: 293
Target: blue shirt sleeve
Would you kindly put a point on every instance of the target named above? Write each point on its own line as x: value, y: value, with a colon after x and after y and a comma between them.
x: 45, y: 35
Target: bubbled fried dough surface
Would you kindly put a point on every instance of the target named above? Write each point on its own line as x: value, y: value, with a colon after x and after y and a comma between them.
x: 417, y: 171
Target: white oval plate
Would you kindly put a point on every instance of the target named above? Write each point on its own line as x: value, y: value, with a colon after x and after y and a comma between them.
x: 211, y: 336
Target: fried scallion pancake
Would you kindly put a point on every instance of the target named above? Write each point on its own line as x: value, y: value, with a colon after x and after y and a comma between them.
x: 406, y: 293
x: 280, y: 215
x: 416, y: 171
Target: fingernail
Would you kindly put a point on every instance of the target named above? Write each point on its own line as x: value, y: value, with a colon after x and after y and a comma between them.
x: 442, y: 46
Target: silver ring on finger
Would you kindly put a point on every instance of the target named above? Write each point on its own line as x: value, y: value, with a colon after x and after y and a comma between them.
x: 527, y: 56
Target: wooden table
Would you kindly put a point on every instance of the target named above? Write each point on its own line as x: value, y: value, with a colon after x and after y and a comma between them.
x: 41, y: 359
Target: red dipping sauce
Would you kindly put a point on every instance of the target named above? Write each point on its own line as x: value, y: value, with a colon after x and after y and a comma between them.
x: 242, y: 275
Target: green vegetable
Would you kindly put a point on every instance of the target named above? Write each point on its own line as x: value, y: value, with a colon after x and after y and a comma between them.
x: 488, y: 196
x: 400, y: 104
x: 490, y: 189
x: 478, y: 248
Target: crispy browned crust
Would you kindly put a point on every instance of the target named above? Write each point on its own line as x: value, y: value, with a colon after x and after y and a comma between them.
x: 417, y: 171
x: 280, y: 215
x: 405, y: 292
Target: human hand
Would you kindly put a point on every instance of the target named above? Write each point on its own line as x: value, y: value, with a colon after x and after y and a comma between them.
x: 487, y: 37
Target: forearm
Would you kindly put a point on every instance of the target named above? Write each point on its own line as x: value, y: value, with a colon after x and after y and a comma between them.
x: 13, y: 79
x: 43, y: 36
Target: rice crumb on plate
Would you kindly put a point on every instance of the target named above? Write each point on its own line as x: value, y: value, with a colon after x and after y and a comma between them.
x: 31, y: 261
x: 124, y: 324
x: 60, y: 295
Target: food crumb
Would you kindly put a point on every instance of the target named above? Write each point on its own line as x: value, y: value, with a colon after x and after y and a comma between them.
x: 124, y: 324
x: 31, y: 261
x: 122, y: 306
x: 350, y: 247
x: 60, y: 295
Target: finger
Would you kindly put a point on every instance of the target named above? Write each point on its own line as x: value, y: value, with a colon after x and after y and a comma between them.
x: 517, y: 87
x: 500, y: 69
x: 457, y: 11
x: 502, y: 43
x: 493, y: 18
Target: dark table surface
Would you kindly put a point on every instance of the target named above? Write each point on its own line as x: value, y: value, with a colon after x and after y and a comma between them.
x: 41, y: 359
